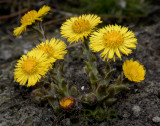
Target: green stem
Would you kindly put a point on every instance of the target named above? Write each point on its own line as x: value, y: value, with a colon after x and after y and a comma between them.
x: 89, y: 53
x: 51, y: 104
x: 58, y: 77
x: 39, y: 29
x: 93, y: 72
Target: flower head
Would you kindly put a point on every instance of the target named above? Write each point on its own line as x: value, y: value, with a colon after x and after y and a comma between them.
x: 30, y: 18
x: 31, y: 67
x: 55, y: 49
x: 67, y: 103
x: 133, y: 70
x: 113, y: 39
x: 78, y: 28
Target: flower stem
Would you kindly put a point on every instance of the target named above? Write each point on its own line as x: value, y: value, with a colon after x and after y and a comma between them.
x: 58, y: 77
x: 91, y: 68
x: 39, y: 29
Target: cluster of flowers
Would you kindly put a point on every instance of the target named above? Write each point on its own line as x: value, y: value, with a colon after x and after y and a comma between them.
x: 110, y: 40
x: 37, y: 62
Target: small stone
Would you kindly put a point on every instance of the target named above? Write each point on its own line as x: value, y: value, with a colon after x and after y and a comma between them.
x: 136, y: 90
x: 136, y: 110
x: 103, y: 124
x: 82, y: 88
x: 156, y: 119
x: 25, y: 51
x: 125, y: 115
x: 122, y: 3
x: 6, y: 55
x: 20, y: 37
x: 66, y: 121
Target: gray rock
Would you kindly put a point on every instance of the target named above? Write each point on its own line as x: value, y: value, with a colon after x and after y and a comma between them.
x: 103, y: 124
x: 156, y: 119
x: 136, y: 110
x: 66, y: 121
x: 125, y: 115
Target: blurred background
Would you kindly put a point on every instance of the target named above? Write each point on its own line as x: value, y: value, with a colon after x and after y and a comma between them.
x: 135, y: 12
x: 131, y: 13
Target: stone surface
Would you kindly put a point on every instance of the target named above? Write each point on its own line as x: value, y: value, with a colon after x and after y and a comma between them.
x: 136, y: 110
x: 156, y: 119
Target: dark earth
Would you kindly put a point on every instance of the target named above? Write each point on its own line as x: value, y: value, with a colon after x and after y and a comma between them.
x: 140, y: 106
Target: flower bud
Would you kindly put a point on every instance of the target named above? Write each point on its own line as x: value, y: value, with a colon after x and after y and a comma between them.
x: 67, y: 103
x: 89, y: 99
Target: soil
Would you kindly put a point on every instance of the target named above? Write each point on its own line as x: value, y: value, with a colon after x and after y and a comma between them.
x: 140, y: 106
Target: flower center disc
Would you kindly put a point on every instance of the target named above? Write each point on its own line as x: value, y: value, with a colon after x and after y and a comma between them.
x: 29, y: 18
x: 29, y: 65
x: 80, y: 25
x: 66, y: 102
x: 113, y: 39
x: 47, y: 49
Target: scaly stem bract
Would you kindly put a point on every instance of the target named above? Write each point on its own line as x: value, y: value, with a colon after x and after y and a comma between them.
x: 91, y: 69
x: 39, y: 29
x: 57, y: 76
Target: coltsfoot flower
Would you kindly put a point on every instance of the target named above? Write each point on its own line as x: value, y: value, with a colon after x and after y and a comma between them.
x: 78, y: 28
x: 31, y: 67
x: 55, y: 49
x: 67, y: 103
x: 133, y: 70
x: 113, y: 39
x: 30, y: 18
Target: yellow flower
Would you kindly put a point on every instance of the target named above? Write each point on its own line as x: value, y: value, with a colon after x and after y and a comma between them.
x: 113, y: 39
x: 55, y: 49
x: 31, y: 67
x: 78, y: 28
x: 67, y: 103
x: 30, y: 18
x: 133, y: 70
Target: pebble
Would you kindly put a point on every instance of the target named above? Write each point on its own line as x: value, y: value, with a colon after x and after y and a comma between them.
x: 156, y: 119
x: 25, y: 51
x: 67, y: 122
x: 125, y: 115
x: 20, y: 37
x: 136, y: 110
x: 82, y: 88
x: 103, y: 124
